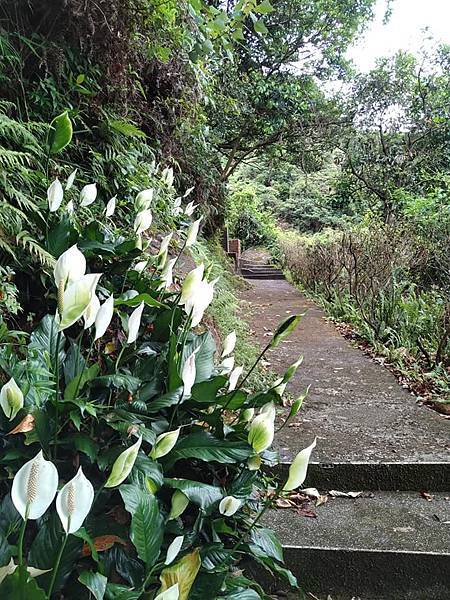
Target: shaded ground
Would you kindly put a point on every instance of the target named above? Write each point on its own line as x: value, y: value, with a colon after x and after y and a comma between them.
x: 356, y: 408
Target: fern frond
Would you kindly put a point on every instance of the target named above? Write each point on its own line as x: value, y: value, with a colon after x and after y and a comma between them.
x: 25, y: 240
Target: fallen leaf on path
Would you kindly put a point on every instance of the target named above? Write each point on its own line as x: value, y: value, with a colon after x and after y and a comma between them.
x: 312, y: 492
x: 337, y: 494
x: 307, y: 513
x: 284, y: 503
x: 428, y: 497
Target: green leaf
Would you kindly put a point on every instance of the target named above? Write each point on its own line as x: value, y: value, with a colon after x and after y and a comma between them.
x: 284, y: 329
x: 147, y: 529
x: 259, y: 27
x: 136, y: 300
x: 95, y: 583
x: 202, y: 494
x: 9, y: 517
x: 45, y: 548
x: 204, y: 446
x: 83, y: 535
x: 119, y: 381
x: 18, y: 587
x: 182, y: 572
x: 84, y: 443
x: 61, y: 132
x: 5, y: 551
x: 264, y: 8
x: 44, y: 340
x: 78, y: 382
x: 242, y: 594
x: 145, y: 468
x: 268, y: 542
x: 115, y: 591
x: 206, y: 391
x: 169, y: 399
x: 74, y: 363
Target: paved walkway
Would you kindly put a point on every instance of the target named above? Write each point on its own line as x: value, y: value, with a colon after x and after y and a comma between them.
x: 356, y: 407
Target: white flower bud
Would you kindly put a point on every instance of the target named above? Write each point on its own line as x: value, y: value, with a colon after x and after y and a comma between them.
x: 134, y: 323
x: 55, y: 194
x: 228, y: 344
x: 299, y: 468
x: 11, y: 399
x: 88, y: 194
x: 123, y: 465
x: 164, y: 443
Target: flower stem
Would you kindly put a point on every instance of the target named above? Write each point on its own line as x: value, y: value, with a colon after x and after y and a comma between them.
x: 21, y: 536
x: 55, y: 437
x: 56, y: 567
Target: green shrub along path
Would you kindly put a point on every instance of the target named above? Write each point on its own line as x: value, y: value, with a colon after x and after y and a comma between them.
x: 372, y: 437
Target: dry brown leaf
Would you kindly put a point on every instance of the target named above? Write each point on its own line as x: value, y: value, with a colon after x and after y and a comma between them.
x: 428, y: 497
x: 337, y: 494
x: 284, y: 503
x: 321, y: 500
x: 25, y: 425
x: 102, y: 543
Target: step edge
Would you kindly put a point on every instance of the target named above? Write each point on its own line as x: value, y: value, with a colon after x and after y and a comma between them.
x: 417, y: 553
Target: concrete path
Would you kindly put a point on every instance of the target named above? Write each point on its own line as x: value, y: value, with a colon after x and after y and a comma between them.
x: 356, y: 407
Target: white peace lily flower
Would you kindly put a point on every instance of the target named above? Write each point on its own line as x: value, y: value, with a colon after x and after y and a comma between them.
x: 176, y: 210
x: 144, y: 199
x: 70, y: 207
x: 189, y: 373
x: 76, y: 299
x: 269, y: 409
x: 172, y: 593
x: 261, y: 432
x: 229, y: 505
x: 110, y: 207
x: 188, y: 191
x: 91, y: 312
x: 34, y: 487
x: 165, y: 243
x: 174, y: 549
x: 70, y: 266
x: 193, y: 233
x: 179, y: 504
x: 279, y: 386
x: 254, y: 463
x: 190, y: 284
x: 11, y: 567
x: 123, y: 465
x: 74, y: 502
x: 71, y: 179
x: 11, y: 399
x: 88, y: 194
x: 167, y: 274
x: 299, y: 468
x: 55, y: 194
x: 228, y: 344
x: 247, y: 415
x: 227, y: 364
x: 134, y: 323
x: 164, y: 443
x: 143, y: 221
x: 234, y: 377
x: 103, y: 317
x: 189, y: 209
x: 205, y: 294
x: 140, y: 266
x: 167, y: 176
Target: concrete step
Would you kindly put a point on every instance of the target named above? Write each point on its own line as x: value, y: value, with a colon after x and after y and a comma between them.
x: 255, y: 271
x: 385, y: 546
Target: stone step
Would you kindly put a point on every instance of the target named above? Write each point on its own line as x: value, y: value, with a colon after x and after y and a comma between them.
x: 261, y: 273
x: 385, y: 546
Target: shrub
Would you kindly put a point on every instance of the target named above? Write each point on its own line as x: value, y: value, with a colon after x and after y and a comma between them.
x: 119, y: 400
x: 246, y: 218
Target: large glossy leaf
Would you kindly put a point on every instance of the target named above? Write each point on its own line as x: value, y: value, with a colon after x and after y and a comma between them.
x: 114, y: 591
x: 242, y: 594
x: 204, y: 359
x: 5, y: 551
x: 204, y: 446
x: 120, y: 381
x: 182, y: 572
x: 136, y: 300
x: 268, y: 542
x: 74, y: 363
x: 9, y: 517
x: 45, y: 548
x: 60, y: 134
x: 202, y: 494
x: 18, y: 587
x: 206, y: 391
x: 207, y: 585
x: 164, y: 401
x: 75, y: 386
x: 146, y: 468
x: 147, y: 529
x: 95, y: 583
x: 44, y: 340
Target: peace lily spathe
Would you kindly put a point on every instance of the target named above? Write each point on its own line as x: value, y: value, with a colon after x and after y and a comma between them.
x: 11, y: 399
x: 110, y: 207
x: 234, y: 377
x: 164, y: 443
x: 299, y: 468
x: 189, y: 209
x: 167, y: 274
x: 70, y: 266
x: 34, y: 487
x: 188, y: 373
x: 193, y: 233
x: 123, y: 465
x: 167, y: 176
x: 173, y: 549
x: 134, y: 323
x: 142, y: 221
x: 188, y: 191
x: 190, y: 285
x: 11, y: 567
x: 228, y: 344
x: 55, y: 194
x: 178, y: 505
x: 165, y: 243
x: 229, y: 505
x: 88, y: 194
x: 91, y: 312
x: 144, y: 199
x: 172, y: 593
x: 103, y: 317
x: 74, y: 501
x: 73, y: 303
x: 227, y: 364
x: 261, y: 432
x: 71, y: 179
